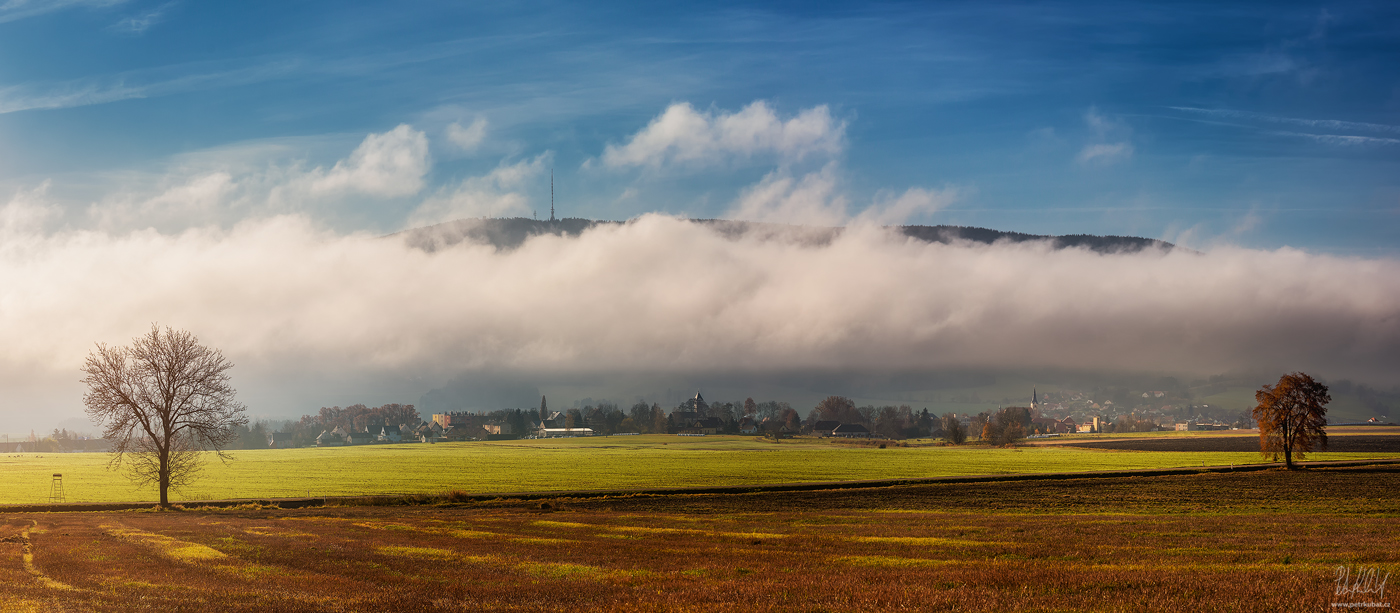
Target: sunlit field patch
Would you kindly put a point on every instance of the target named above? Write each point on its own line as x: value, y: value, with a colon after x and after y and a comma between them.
x: 561, y: 524
x: 15, y: 604
x: 890, y: 561
x: 536, y: 540
x: 421, y: 553
x: 926, y: 541
x: 653, y: 530
x: 564, y: 570
x: 751, y: 535
x: 173, y: 548
x: 253, y: 572
x: 381, y: 525
x: 470, y: 534
x: 275, y: 531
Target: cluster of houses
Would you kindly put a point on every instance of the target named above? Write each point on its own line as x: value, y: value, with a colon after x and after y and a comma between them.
x: 555, y: 425
x: 442, y: 428
x: 695, y: 422
x: 340, y: 437
x: 1050, y: 425
x: 837, y: 429
x: 454, y: 426
x: 1191, y: 426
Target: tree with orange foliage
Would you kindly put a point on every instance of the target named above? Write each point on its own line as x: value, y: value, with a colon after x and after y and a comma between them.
x: 1292, y: 417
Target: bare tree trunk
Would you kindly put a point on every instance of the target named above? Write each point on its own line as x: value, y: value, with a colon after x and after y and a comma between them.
x: 1287, y: 446
x: 165, y: 480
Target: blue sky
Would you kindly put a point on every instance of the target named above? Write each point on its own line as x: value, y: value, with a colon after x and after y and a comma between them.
x: 229, y: 168
x: 1262, y: 125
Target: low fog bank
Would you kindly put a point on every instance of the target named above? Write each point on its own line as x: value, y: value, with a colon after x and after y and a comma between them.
x: 315, y: 318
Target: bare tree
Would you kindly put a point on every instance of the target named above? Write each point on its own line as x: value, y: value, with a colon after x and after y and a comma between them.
x: 1292, y: 417
x: 164, y: 400
x: 838, y: 408
x: 953, y: 429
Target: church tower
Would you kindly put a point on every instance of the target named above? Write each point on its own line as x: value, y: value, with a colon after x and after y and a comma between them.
x: 1034, y: 399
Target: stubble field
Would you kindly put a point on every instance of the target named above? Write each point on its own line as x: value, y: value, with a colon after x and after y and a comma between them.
x: 1259, y: 541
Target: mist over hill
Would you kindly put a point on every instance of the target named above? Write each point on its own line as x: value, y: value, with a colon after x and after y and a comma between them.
x: 511, y: 233
x: 1061, y: 344
x: 659, y: 307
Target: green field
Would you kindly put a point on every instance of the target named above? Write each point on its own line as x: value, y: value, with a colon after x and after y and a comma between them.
x: 572, y: 464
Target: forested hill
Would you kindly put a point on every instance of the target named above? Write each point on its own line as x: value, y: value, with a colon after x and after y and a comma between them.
x: 1101, y: 244
x: 511, y: 233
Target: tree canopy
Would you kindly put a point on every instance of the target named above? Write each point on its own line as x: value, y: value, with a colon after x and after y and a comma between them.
x: 163, y: 400
x: 1292, y: 416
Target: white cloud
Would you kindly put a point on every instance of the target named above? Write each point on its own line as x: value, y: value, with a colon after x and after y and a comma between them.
x: 816, y: 199
x: 389, y: 164
x: 497, y: 194
x: 1109, y: 142
x: 914, y: 203
x: 13, y: 10
x: 683, y: 136
x: 28, y: 212
x: 304, y: 313
x: 1330, y: 124
x: 16, y: 98
x: 1343, y: 139
x: 138, y: 24
x: 1248, y: 222
x: 200, y: 193
x: 468, y: 138
x: 190, y: 201
x: 812, y: 199
x: 143, y: 83
x: 1105, y: 152
x: 225, y: 185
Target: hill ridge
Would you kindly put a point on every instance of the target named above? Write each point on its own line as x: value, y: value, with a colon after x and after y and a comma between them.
x: 511, y: 232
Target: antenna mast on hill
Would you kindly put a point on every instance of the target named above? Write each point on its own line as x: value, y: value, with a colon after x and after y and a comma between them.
x: 551, y: 194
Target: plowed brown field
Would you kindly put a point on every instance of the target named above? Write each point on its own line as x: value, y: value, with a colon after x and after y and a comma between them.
x: 1261, y: 541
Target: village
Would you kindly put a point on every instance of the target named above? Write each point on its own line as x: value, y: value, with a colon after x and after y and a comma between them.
x: 1050, y: 414
x: 1057, y: 413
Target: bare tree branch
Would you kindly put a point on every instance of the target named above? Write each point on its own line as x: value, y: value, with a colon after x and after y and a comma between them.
x: 164, y: 400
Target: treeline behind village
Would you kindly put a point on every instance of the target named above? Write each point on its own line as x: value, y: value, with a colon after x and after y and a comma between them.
x: 774, y: 419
